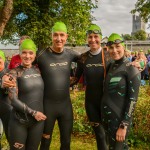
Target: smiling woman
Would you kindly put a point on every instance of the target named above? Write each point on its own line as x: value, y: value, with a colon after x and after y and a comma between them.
x: 120, y: 95
x: 27, y: 118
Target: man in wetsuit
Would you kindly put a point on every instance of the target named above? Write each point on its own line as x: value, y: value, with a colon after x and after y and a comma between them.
x: 54, y: 63
x: 5, y: 107
x: 120, y: 95
x: 93, y: 65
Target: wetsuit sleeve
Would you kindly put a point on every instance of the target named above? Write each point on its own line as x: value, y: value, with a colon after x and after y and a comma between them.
x: 76, y: 56
x: 78, y: 73
x: 17, y: 104
x: 133, y: 80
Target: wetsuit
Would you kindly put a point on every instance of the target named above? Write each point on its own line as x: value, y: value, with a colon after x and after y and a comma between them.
x: 24, y: 131
x: 93, y: 68
x: 119, y: 99
x: 55, y: 70
x: 5, y: 107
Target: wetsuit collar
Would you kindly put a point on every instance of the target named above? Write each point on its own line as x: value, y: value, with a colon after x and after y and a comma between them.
x: 57, y: 51
x: 123, y: 59
x: 96, y: 52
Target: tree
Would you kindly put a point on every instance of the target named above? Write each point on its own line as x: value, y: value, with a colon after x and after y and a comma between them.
x: 139, y: 35
x: 127, y: 37
x: 6, y: 9
x: 36, y: 18
x: 143, y: 8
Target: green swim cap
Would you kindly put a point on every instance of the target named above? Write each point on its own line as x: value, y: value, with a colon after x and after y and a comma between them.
x: 93, y: 28
x: 141, y: 50
x: 132, y: 52
x: 28, y: 44
x: 2, y: 55
x: 149, y: 50
x: 114, y: 37
x: 59, y: 27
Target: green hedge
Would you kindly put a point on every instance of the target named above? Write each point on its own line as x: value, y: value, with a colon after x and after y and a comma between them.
x: 140, y: 131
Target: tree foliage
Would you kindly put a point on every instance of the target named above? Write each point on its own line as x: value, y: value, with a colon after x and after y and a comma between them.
x: 127, y: 37
x: 143, y: 8
x: 36, y: 18
x: 139, y: 35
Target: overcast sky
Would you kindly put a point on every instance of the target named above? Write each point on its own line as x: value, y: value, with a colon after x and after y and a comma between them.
x: 114, y: 16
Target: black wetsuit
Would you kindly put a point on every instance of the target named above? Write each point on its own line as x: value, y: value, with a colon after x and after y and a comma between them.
x: 93, y: 68
x: 119, y: 99
x: 5, y: 107
x: 55, y: 70
x: 24, y: 131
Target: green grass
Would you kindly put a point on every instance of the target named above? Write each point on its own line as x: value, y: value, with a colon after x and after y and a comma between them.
x: 78, y: 142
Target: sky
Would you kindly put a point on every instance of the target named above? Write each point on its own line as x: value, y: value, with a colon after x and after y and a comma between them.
x: 113, y: 16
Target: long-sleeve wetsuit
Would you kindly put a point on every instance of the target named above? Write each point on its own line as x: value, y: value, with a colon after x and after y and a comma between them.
x: 24, y: 131
x: 119, y: 99
x: 5, y: 107
x: 55, y: 71
x: 92, y: 66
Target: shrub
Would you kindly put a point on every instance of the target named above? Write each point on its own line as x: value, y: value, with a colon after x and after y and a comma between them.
x: 81, y: 124
x: 140, y: 131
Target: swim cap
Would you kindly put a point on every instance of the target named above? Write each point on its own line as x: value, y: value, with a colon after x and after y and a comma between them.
x: 28, y: 44
x: 114, y: 37
x: 93, y: 28
x: 2, y: 55
x: 132, y: 52
x: 59, y: 26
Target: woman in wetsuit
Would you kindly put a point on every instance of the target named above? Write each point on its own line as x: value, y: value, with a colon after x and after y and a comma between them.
x: 5, y: 107
x: 120, y: 95
x: 26, y: 121
x: 93, y: 65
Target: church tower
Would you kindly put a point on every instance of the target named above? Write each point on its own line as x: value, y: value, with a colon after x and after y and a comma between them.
x: 137, y: 24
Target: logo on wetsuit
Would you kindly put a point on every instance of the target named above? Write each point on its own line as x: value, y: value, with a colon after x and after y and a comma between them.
x: 58, y: 64
x: 94, y: 65
x: 32, y: 75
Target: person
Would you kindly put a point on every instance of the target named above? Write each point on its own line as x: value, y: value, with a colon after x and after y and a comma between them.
x: 93, y: 64
x: 54, y: 63
x: 120, y: 95
x: 27, y: 118
x: 142, y: 60
x: 16, y: 60
x: 5, y: 107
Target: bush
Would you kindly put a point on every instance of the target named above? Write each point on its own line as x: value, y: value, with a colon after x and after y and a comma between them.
x: 140, y: 131
x: 81, y: 124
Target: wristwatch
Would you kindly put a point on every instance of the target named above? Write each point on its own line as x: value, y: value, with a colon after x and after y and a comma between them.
x: 123, y: 125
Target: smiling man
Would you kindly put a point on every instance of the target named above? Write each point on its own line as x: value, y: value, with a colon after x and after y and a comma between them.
x: 55, y: 65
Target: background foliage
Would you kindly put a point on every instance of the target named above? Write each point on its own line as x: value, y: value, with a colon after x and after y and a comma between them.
x: 140, y: 132
x: 36, y: 18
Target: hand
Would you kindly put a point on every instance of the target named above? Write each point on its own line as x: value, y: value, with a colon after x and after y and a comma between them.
x: 137, y: 65
x: 8, y: 81
x: 39, y: 116
x: 121, y: 134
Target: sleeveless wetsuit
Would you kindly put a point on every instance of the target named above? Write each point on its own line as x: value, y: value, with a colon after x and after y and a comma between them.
x: 93, y: 69
x: 25, y: 132
x: 119, y: 99
x: 5, y: 107
x: 55, y: 71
